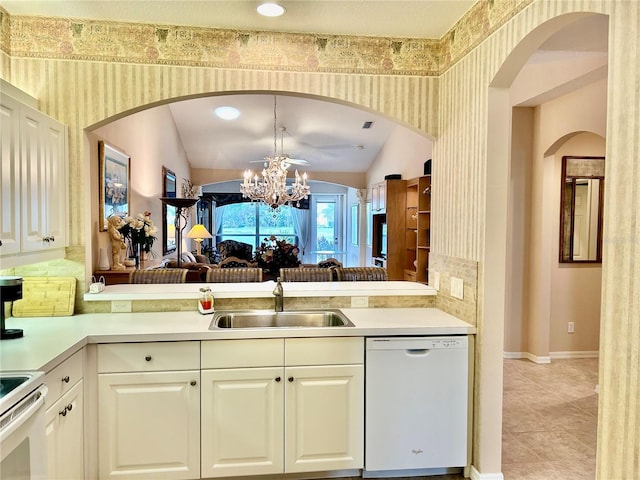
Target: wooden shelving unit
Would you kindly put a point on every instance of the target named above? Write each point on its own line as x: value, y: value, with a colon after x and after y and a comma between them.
x: 411, y: 231
x: 388, y: 250
x: 417, y: 229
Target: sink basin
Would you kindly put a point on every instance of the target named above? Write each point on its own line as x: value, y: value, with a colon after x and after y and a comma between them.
x: 270, y: 319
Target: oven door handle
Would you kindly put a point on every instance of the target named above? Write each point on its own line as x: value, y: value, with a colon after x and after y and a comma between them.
x: 17, y: 422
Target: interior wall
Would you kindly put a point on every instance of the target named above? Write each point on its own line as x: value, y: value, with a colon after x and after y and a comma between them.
x: 151, y: 139
x: 579, y: 111
x: 405, y: 153
x: 470, y: 217
x: 575, y: 289
x: 519, y: 234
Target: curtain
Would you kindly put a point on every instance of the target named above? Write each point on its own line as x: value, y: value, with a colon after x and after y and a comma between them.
x: 302, y: 226
x: 218, y: 214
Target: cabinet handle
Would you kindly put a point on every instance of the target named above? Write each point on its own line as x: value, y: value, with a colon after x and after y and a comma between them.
x: 148, y: 358
x: 69, y: 407
x: 278, y: 379
x: 290, y: 379
x: 193, y: 383
x: 63, y: 412
x: 66, y: 379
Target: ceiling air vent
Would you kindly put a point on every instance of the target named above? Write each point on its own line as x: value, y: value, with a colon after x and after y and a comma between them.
x: 367, y: 125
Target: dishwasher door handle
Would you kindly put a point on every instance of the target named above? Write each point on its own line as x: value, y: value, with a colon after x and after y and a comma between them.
x: 417, y: 352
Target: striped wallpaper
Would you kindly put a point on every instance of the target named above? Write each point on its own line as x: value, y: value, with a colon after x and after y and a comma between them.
x: 84, y: 94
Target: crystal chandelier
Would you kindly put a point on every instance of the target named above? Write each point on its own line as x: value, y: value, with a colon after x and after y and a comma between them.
x: 272, y: 189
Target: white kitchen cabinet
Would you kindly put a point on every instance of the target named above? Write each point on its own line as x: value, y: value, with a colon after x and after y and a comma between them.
x: 43, y: 154
x: 149, y: 414
x: 65, y: 436
x: 65, y: 419
x: 379, y: 197
x: 297, y: 405
x: 324, y: 418
x: 34, y: 175
x: 242, y: 418
x: 10, y: 175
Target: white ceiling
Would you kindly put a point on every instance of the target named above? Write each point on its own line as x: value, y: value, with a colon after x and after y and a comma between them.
x: 326, y: 134
x: 389, y: 18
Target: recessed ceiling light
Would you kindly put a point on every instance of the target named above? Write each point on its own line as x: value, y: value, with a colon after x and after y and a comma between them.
x: 270, y: 9
x: 227, y: 113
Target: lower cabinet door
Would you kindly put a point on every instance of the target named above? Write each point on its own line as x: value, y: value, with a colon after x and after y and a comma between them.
x: 65, y: 436
x: 242, y: 421
x: 149, y: 425
x: 324, y: 418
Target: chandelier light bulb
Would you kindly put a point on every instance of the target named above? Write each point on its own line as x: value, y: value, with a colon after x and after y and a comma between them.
x: 272, y: 189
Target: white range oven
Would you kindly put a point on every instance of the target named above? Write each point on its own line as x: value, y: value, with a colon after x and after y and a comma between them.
x: 22, y: 426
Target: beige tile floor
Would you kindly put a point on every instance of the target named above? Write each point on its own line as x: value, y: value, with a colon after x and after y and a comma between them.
x: 549, y: 421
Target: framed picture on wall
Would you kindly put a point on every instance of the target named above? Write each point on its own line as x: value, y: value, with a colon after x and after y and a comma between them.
x: 115, y: 177
x: 168, y: 212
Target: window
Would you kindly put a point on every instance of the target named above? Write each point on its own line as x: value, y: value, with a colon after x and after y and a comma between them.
x: 369, y: 226
x: 252, y: 222
x: 328, y: 213
x: 355, y: 231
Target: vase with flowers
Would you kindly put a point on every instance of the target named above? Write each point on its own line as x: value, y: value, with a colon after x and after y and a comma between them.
x: 274, y: 254
x: 140, y: 233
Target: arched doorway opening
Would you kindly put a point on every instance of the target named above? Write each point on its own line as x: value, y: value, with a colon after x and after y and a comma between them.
x: 138, y: 135
x: 530, y: 110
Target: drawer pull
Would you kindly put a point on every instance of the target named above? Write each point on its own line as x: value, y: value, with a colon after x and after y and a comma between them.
x: 278, y: 379
x: 148, y: 358
x: 66, y: 379
x: 63, y: 412
x: 193, y: 383
x: 290, y: 379
x: 70, y: 407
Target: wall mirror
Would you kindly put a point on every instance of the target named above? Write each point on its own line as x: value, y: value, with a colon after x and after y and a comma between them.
x: 581, y: 206
x: 168, y: 212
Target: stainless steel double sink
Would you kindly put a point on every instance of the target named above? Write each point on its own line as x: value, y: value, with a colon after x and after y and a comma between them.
x: 287, y: 319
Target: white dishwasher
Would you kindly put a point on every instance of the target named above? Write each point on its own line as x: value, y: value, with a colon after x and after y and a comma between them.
x: 416, y: 404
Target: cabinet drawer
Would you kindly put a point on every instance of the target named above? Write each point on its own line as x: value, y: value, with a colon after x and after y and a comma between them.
x: 243, y: 353
x: 148, y: 357
x: 324, y: 351
x: 63, y: 377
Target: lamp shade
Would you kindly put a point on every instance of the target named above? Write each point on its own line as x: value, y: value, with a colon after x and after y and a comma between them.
x: 199, y: 231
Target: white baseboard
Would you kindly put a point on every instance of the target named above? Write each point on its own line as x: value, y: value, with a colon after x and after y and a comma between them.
x: 475, y: 475
x: 513, y: 355
x: 569, y: 355
x: 528, y: 356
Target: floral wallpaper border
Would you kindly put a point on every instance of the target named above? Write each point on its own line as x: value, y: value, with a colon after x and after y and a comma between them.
x: 122, y: 42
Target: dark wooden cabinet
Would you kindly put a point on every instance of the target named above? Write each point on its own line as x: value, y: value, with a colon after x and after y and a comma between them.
x: 389, y: 227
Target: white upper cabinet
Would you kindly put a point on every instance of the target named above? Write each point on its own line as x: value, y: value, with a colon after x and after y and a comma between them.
x: 34, y: 167
x: 10, y: 175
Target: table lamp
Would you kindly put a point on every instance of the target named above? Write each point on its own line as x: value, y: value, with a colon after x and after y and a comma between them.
x: 198, y: 232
